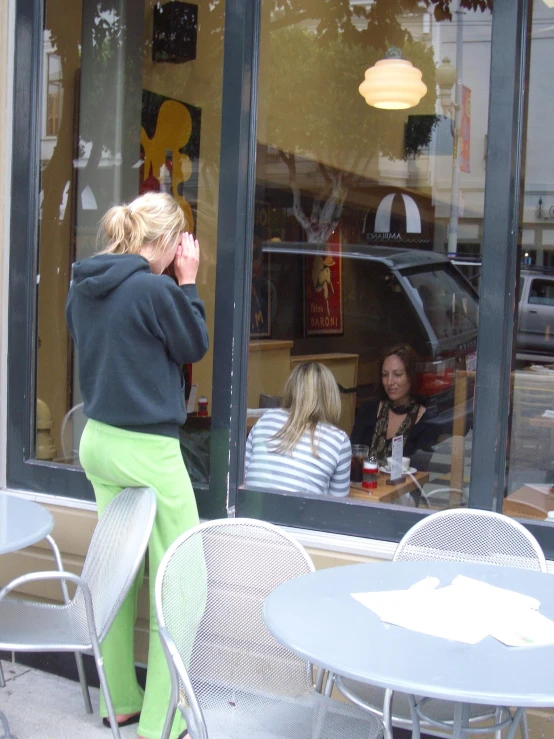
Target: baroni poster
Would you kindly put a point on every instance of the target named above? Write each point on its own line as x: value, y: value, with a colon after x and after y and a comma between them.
x: 323, y: 280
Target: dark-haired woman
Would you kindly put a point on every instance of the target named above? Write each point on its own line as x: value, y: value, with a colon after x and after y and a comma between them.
x: 396, y: 411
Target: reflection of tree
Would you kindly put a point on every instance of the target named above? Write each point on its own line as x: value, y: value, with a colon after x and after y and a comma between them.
x: 370, y: 31
x: 110, y: 102
x: 331, y: 123
x: 361, y: 31
x: 101, y: 47
x: 55, y: 220
x: 376, y: 25
x: 55, y: 173
x: 312, y: 94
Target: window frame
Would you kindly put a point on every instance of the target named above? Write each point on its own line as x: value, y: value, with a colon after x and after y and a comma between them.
x: 225, y: 495
x: 23, y: 472
x: 495, y: 349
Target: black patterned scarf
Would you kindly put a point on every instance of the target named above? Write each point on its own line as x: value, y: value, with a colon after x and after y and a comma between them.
x: 381, y: 447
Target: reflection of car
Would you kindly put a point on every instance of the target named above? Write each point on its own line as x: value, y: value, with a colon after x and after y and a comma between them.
x: 384, y: 295
x: 535, y: 340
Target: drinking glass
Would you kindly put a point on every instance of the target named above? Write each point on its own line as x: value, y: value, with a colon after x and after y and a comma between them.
x: 360, y: 452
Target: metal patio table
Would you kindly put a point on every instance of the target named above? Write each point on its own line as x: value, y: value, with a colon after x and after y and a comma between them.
x: 22, y: 523
x: 316, y: 617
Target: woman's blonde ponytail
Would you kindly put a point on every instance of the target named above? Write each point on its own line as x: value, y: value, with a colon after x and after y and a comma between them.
x: 152, y: 219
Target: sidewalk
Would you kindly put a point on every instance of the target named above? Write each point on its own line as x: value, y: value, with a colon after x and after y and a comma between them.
x: 38, y: 705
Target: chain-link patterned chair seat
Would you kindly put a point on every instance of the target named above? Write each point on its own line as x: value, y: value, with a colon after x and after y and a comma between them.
x: 230, y: 677
x: 114, y: 556
x: 458, y: 535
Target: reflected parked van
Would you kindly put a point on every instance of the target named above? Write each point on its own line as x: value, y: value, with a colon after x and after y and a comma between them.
x: 370, y: 298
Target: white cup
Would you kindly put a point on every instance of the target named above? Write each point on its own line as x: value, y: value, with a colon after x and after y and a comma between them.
x: 405, y: 463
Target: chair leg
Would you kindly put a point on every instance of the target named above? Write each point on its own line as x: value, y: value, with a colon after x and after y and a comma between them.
x: 83, y: 681
x: 416, y: 732
x: 497, y: 719
x: 78, y: 655
x: 6, y: 728
x: 387, y: 714
x: 170, y: 717
x: 105, y: 689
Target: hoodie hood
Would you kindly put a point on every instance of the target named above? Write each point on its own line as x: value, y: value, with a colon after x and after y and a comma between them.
x: 97, y: 276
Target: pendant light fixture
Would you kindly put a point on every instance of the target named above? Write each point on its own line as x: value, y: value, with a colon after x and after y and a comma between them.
x: 393, y: 83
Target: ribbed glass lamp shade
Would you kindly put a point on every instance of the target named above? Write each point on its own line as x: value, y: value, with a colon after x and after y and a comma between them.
x: 393, y: 84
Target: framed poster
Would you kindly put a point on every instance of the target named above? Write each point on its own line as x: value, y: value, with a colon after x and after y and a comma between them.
x: 260, y: 296
x: 323, y: 291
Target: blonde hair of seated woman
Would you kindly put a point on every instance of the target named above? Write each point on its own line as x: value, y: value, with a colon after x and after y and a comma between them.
x: 311, y: 396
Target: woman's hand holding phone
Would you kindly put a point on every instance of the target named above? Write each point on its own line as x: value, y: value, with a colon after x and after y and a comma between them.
x: 187, y: 259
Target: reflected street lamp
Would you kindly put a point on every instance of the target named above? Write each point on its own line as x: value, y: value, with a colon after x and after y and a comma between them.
x: 446, y: 78
x: 393, y: 83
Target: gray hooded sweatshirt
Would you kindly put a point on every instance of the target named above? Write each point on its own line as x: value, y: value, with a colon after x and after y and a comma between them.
x: 133, y: 331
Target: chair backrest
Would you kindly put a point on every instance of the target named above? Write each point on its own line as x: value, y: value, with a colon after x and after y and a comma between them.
x: 71, y: 430
x: 210, y: 591
x: 469, y: 535
x: 116, y: 551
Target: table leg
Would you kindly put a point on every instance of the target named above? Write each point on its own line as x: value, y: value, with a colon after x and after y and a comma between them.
x: 4, y: 722
x: 461, y: 721
x: 416, y: 731
x: 519, y: 716
x: 329, y: 684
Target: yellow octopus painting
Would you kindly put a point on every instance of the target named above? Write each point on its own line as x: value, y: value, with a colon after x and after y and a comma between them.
x: 172, y: 133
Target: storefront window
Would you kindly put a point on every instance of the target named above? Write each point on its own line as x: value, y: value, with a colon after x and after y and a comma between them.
x: 367, y: 232
x: 530, y: 473
x: 132, y: 102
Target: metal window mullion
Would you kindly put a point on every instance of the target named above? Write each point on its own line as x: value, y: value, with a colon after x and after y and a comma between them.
x: 234, y: 257
x: 24, y: 233
x: 499, y: 253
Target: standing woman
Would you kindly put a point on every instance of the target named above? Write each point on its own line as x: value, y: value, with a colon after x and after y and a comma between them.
x: 396, y: 411
x: 133, y: 328
x: 298, y: 447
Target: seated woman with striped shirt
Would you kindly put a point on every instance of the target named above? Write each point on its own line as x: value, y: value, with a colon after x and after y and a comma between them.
x: 298, y: 447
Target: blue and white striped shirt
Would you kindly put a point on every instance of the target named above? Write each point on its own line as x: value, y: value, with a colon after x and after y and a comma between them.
x: 299, y: 471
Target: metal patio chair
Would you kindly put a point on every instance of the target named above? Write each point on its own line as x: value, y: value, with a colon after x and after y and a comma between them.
x: 442, y: 495
x: 230, y: 678
x: 113, y: 559
x: 66, y: 599
x: 456, y: 535
x: 71, y: 429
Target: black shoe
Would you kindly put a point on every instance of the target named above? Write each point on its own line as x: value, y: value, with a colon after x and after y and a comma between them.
x: 128, y: 721
x: 183, y: 735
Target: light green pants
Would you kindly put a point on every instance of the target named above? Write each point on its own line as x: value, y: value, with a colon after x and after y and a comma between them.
x: 114, y: 459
